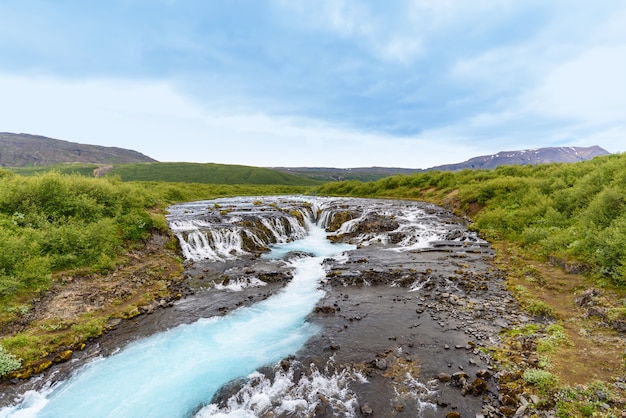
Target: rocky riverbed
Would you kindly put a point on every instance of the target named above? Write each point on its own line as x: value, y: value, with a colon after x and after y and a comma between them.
x: 404, y: 322
x: 410, y: 328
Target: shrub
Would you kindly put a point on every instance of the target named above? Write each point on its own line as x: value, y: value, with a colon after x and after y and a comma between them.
x: 539, y: 308
x: 8, y: 362
x: 541, y: 379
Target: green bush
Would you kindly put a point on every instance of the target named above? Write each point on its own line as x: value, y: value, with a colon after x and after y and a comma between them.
x: 8, y: 362
x: 541, y: 379
x: 573, y: 212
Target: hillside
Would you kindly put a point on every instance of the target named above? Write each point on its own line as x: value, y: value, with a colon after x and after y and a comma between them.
x: 340, y: 174
x: 208, y: 173
x: 21, y: 150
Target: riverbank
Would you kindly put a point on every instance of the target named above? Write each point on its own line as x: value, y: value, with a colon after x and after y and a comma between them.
x: 430, y: 329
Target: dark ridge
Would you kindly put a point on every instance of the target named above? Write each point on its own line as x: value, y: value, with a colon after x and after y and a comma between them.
x: 25, y: 150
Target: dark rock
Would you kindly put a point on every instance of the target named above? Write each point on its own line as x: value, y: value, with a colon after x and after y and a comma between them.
x: 379, y: 363
x: 484, y: 374
x: 325, y: 309
x: 597, y: 312
x: 478, y: 387
x: 588, y: 297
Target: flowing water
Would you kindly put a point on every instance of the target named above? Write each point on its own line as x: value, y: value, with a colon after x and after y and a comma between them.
x: 176, y: 373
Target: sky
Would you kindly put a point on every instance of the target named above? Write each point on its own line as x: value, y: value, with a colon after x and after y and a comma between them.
x: 316, y: 83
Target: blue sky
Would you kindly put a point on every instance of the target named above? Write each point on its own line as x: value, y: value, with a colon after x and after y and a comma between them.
x: 334, y: 83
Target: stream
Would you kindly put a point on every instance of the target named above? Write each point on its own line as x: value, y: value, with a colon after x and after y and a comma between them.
x: 297, y: 301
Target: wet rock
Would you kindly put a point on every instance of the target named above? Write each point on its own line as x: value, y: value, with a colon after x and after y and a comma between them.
x: 484, y: 374
x: 63, y: 356
x: 366, y: 409
x: 379, y: 363
x: 478, y: 387
x: 112, y: 323
x: 444, y: 377
x: 325, y: 309
x: 460, y: 378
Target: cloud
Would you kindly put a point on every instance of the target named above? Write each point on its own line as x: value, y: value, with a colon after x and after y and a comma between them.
x: 154, y: 118
x: 590, y: 88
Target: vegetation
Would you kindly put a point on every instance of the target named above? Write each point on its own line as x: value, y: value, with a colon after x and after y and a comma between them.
x: 180, y: 173
x: 540, y: 219
x: 558, y: 230
x: 572, y: 214
x: 52, y: 223
x: 8, y: 362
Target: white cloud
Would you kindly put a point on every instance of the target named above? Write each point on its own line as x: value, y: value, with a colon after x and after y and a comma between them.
x: 590, y: 88
x: 153, y: 118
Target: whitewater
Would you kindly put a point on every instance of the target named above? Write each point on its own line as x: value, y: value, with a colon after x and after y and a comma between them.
x: 176, y: 373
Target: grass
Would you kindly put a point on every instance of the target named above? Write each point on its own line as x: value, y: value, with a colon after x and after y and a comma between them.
x: 208, y: 173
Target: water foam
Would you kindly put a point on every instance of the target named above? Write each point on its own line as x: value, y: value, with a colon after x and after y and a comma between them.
x: 284, y: 393
x: 175, y: 372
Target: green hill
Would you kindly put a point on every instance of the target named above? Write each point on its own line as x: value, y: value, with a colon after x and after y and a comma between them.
x: 208, y: 173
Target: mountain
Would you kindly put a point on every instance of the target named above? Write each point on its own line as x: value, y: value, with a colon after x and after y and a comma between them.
x: 525, y: 157
x: 20, y: 150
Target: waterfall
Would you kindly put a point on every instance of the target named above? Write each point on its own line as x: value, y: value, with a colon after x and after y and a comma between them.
x: 176, y: 372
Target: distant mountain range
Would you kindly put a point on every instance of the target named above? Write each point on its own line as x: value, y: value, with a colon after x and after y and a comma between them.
x: 485, y: 162
x: 20, y: 150
x: 526, y: 157
x: 24, y: 150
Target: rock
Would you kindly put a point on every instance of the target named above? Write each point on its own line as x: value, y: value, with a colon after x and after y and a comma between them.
x: 620, y: 325
x: 112, y: 323
x: 453, y: 414
x: 588, y: 297
x: 596, y: 311
x: 520, y: 411
x: 380, y: 364
x: 325, y: 309
x: 444, y: 377
x: 507, y: 411
x: 484, y: 374
x: 366, y: 409
x: 478, y: 387
x: 63, y: 356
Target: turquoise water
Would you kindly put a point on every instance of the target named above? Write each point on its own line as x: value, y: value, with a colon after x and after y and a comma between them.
x: 174, y: 373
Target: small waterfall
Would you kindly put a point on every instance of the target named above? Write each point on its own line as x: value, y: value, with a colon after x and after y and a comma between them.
x: 175, y: 373
x: 238, y: 230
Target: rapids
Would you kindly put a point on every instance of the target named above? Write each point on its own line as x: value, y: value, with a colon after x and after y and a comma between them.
x: 174, y: 373
x: 177, y: 372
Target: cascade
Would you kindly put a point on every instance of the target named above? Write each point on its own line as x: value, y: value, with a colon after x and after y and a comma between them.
x: 176, y: 372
